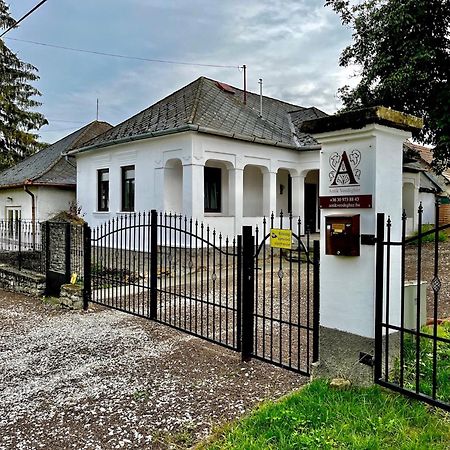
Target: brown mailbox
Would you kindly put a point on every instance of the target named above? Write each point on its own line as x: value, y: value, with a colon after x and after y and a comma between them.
x: 342, y: 235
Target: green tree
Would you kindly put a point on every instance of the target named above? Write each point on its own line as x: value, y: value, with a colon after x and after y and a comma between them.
x: 402, y: 51
x: 17, y: 118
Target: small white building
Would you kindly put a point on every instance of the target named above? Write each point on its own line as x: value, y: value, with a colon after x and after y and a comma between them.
x: 421, y: 185
x: 208, y: 151
x: 44, y: 183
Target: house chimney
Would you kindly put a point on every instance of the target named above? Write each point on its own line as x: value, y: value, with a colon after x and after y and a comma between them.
x: 260, y: 96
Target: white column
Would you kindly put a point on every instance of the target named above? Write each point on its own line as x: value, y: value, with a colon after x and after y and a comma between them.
x: 270, y: 193
x: 159, y: 191
x: 193, y: 191
x: 236, y: 197
x: 298, y: 199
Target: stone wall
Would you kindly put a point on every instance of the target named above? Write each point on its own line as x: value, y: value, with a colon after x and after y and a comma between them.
x: 31, y: 260
x: 24, y: 281
x: 57, y: 248
x: 71, y: 296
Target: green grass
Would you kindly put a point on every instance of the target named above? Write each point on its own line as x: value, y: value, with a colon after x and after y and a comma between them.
x: 426, y: 363
x: 320, y: 417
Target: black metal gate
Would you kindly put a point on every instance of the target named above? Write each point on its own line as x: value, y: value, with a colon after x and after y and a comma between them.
x: 412, y: 329
x: 184, y: 274
x: 283, y: 318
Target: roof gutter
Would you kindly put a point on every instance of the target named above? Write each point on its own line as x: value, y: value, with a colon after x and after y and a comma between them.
x: 196, y: 128
x: 37, y: 183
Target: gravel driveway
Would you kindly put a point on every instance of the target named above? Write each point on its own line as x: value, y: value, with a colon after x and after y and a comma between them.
x: 106, y: 380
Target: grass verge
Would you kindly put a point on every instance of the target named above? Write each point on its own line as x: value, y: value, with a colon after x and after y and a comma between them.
x: 320, y: 417
x: 425, y: 357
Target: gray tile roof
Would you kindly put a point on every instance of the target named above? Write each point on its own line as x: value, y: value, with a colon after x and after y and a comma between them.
x: 48, y: 166
x: 204, y: 105
x: 417, y: 158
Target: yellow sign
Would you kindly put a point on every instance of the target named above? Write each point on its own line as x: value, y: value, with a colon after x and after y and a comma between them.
x: 73, y: 278
x: 281, y: 238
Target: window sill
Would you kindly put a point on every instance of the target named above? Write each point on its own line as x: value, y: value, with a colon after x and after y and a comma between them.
x: 216, y: 214
x: 102, y: 212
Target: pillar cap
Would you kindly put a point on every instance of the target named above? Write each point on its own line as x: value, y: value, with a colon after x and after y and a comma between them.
x: 359, y: 118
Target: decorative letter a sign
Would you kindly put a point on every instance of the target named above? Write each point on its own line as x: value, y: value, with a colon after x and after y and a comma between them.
x: 344, y: 169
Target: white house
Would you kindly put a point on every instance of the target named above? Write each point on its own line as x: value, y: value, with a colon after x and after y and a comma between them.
x: 208, y: 151
x: 45, y: 183
x: 422, y: 185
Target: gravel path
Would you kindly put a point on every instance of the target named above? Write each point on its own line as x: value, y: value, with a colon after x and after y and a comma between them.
x: 107, y: 380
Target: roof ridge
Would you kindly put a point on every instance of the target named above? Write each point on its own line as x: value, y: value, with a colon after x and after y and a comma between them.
x: 196, y: 102
x: 56, y: 161
x: 257, y: 94
x: 154, y: 104
x: 83, y: 133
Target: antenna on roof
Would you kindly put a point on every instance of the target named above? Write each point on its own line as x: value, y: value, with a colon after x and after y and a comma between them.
x: 245, y: 83
x: 97, y: 110
x: 260, y: 96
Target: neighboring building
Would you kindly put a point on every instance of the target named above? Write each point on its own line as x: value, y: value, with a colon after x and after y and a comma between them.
x: 44, y: 183
x: 206, y: 151
x: 422, y: 185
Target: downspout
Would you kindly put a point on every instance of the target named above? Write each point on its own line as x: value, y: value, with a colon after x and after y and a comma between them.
x: 33, y: 211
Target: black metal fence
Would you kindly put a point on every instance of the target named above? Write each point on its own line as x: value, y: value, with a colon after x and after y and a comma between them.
x: 182, y: 273
x: 21, y: 244
x: 412, y: 353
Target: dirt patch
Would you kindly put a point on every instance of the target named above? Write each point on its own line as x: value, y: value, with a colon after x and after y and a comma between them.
x: 427, y: 268
x: 106, y: 380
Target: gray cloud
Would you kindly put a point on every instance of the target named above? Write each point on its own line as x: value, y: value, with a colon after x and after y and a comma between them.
x: 294, y: 45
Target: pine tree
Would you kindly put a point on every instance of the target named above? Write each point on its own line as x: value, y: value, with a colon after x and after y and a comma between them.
x: 17, y: 117
x: 402, y: 49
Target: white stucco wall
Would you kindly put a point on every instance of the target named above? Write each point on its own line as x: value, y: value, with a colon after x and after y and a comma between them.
x: 48, y: 200
x: 428, y: 203
x: 243, y: 202
x: 253, y: 191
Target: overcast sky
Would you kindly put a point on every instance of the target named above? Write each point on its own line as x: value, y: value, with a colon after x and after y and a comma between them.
x: 294, y: 45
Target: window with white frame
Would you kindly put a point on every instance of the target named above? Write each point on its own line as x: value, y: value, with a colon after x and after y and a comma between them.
x: 128, y: 174
x: 103, y: 190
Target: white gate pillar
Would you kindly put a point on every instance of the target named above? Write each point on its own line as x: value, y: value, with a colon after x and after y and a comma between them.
x: 361, y: 165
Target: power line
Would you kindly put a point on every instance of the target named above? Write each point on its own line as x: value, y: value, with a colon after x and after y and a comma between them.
x: 57, y: 130
x: 65, y: 121
x: 23, y: 17
x: 115, y: 55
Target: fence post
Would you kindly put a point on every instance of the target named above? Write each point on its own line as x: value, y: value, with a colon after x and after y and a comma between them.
x: 248, y: 248
x: 67, y: 243
x: 239, y: 294
x: 153, y: 264
x: 379, y: 284
x: 87, y: 285
x: 316, y: 300
x: 47, y: 248
x: 19, y: 226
